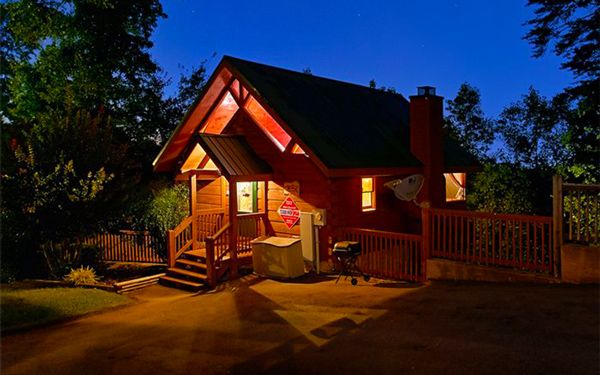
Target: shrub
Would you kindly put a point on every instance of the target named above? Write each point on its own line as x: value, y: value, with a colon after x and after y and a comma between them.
x: 82, y: 275
x: 162, y: 211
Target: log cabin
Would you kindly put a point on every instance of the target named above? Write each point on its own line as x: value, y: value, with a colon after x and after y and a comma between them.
x: 269, y: 151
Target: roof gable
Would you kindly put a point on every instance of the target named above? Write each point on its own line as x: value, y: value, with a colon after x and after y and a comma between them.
x: 344, y: 125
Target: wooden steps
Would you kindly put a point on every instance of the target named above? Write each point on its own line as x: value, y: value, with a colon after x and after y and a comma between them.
x: 179, y: 283
x: 189, y: 272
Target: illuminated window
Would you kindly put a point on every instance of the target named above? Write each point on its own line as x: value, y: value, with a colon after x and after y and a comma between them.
x: 268, y: 124
x: 368, y: 193
x: 221, y: 115
x: 246, y: 195
x: 298, y: 150
x: 455, y: 186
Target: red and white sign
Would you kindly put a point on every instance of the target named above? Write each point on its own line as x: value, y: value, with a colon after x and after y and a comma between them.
x: 289, y: 212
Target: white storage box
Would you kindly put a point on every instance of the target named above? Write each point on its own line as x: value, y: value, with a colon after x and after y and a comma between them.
x: 277, y: 257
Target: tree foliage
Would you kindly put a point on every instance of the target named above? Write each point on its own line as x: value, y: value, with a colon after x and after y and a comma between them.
x: 159, y: 211
x: 466, y: 122
x: 531, y: 130
x: 571, y: 29
x: 59, y: 186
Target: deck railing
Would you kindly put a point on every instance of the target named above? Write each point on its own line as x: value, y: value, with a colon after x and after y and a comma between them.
x: 389, y: 254
x: 127, y: 246
x: 515, y: 241
x: 581, y: 210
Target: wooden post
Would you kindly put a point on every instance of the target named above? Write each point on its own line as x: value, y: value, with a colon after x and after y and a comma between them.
x: 210, y: 262
x: 425, y: 238
x: 193, y: 211
x: 234, y: 227
x: 171, y: 249
x: 557, y: 220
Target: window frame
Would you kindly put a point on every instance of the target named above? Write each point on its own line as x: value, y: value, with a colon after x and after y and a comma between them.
x: 461, y: 184
x: 372, y: 206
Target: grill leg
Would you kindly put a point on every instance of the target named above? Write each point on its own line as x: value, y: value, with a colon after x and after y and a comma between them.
x: 344, y: 264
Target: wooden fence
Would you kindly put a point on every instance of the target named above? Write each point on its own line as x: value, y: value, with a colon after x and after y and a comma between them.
x: 515, y: 241
x: 389, y: 254
x: 126, y: 246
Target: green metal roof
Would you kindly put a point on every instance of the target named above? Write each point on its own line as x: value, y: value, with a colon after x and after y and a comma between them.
x: 345, y: 125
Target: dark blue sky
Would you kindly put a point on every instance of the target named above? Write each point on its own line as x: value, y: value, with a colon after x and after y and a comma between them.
x: 398, y: 43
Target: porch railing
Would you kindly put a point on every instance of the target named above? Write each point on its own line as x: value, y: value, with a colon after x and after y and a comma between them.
x: 250, y: 226
x: 208, y: 222
x: 389, y: 254
x: 516, y: 241
x: 218, y: 246
x: 179, y: 240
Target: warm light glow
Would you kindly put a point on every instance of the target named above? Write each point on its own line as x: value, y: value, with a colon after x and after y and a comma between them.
x: 455, y: 186
x: 193, y: 161
x: 221, y: 115
x: 244, y: 196
x: 368, y: 194
x: 268, y: 124
x: 298, y: 150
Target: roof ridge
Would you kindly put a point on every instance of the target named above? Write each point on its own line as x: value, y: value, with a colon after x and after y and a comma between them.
x: 317, y: 77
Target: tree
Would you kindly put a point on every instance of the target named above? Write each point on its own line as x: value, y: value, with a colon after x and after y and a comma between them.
x: 390, y: 89
x: 531, y: 130
x: 571, y: 29
x: 465, y: 122
x: 59, y: 187
x: 94, y: 51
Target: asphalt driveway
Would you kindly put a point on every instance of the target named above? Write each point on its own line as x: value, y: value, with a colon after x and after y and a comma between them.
x: 318, y: 327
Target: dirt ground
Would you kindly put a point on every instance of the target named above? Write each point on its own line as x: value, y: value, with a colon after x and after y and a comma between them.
x: 253, y: 325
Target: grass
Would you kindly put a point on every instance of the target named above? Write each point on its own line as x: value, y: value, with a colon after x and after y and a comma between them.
x: 26, y: 308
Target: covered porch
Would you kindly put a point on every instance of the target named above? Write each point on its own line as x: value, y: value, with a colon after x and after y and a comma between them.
x: 228, y: 206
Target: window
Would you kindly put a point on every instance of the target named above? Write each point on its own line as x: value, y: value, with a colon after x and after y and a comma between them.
x: 246, y: 196
x: 368, y: 193
x: 268, y: 124
x: 298, y: 150
x: 455, y: 186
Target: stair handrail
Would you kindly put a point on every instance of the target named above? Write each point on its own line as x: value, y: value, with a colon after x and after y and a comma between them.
x: 213, y: 259
x: 179, y: 240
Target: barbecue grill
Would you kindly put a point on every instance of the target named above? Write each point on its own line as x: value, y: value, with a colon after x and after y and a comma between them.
x: 347, y: 253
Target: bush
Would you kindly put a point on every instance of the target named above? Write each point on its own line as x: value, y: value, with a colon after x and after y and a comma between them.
x: 162, y: 211
x: 81, y: 276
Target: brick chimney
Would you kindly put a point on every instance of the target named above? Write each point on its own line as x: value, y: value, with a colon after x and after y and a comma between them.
x: 427, y: 142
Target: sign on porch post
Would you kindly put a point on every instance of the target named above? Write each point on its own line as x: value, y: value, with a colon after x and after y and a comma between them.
x: 289, y: 212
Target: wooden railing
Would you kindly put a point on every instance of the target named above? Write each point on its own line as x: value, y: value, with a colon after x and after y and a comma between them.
x: 389, y: 254
x: 217, y: 250
x: 581, y: 213
x: 515, y: 241
x: 179, y: 240
x: 127, y: 246
x: 208, y: 222
x: 250, y: 226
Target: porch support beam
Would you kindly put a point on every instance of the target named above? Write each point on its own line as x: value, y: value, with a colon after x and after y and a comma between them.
x: 193, y: 211
x: 234, y: 227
